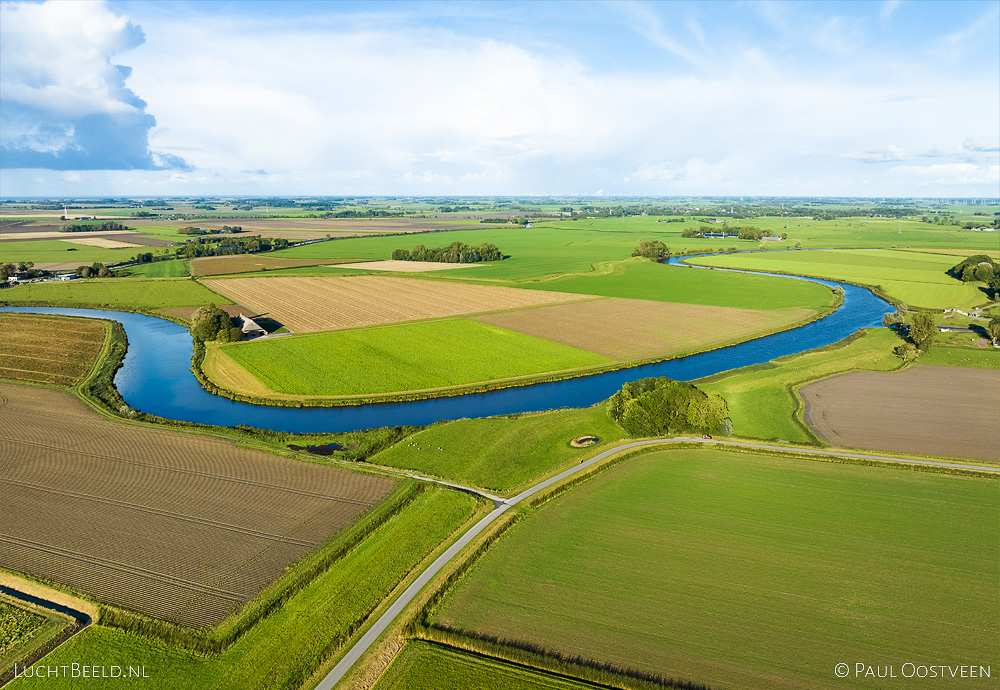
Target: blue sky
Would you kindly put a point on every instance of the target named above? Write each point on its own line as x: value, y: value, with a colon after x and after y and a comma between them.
x: 897, y: 98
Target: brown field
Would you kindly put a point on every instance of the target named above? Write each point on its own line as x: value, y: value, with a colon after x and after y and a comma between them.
x: 629, y: 329
x: 187, y: 313
x: 404, y: 266
x: 945, y: 411
x: 48, y: 349
x: 324, y: 304
x: 248, y: 263
x: 176, y: 526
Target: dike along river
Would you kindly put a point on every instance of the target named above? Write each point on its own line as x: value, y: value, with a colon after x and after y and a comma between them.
x: 156, y: 377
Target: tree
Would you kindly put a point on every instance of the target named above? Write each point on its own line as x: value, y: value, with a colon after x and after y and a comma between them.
x: 922, y: 330
x: 652, y: 249
x: 993, y: 328
x: 210, y: 323
x: 893, y: 319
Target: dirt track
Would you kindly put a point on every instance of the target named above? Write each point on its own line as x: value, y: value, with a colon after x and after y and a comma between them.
x: 945, y: 411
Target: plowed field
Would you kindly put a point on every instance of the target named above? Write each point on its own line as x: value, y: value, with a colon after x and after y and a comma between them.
x: 248, y: 263
x: 176, y: 526
x: 325, y: 304
x: 947, y: 411
x: 635, y: 329
x: 48, y: 349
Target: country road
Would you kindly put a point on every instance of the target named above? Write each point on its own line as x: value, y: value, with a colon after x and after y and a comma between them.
x: 366, y: 641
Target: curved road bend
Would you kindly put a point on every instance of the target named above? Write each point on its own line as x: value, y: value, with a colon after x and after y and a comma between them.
x: 366, y: 641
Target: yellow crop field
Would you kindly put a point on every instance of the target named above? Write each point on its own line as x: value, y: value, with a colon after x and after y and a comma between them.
x: 325, y: 304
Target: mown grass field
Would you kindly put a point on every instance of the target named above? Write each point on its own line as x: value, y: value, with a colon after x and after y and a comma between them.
x: 414, y: 356
x: 115, y: 293
x: 48, y: 349
x: 502, y: 454
x: 642, y: 279
x: 175, y: 268
x: 916, y: 278
x: 285, y: 649
x: 762, y: 402
x: 746, y: 571
x: 988, y: 358
x: 57, y: 251
x: 431, y: 667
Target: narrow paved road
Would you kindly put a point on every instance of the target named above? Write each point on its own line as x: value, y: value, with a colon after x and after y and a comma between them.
x: 366, y: 641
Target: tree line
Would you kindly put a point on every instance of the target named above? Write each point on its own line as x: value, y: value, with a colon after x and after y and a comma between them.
x: 108, y: 226
x: 454, y: 253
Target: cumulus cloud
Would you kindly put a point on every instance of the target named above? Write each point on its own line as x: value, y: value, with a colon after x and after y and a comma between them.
x: 65, y: 105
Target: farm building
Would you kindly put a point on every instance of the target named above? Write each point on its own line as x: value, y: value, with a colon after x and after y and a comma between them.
x: 249, y: 327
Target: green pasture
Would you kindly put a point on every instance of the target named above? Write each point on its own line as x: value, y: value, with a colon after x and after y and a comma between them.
x: 942, y: 356
x: 412, y: 356
x: 762, y: 398
x: 746, y: 571
x: 641, y: 279
x: 501, y: 454
x: 916, y: 278
x: 283, y: 650
x: 57, y: 251
x: 115, y: 292
x: 25, y: 628
x: 431, y: 667
x: 176, y: 268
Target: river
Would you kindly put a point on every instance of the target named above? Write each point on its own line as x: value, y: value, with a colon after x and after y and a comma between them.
x: 155, y: 376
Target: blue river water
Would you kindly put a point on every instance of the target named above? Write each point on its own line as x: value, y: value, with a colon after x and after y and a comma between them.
x: 155, y: 376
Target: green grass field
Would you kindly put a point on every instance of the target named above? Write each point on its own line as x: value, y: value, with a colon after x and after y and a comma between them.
x: 57, y: 251
x: 642, y: 279
x: 761, y: 401
x: 745, y: 571
x: 403, y: 357
x: 939, y: 355
x: 502, y: 454
x: 24, y: 629
x: 915, y: 278
x: 115, y: 292
x: 284, y: 649
x: 176, y: 268
x: 431, y: 667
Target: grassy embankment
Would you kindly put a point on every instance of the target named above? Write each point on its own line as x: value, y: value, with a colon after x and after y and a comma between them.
x: 917, y: 279
x: 432, y: 667
x: 502, y: 454
x: 741, y: 570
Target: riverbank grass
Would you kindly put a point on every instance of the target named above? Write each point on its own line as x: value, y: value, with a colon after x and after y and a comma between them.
x: 763, y: 399
x: 502, y: 454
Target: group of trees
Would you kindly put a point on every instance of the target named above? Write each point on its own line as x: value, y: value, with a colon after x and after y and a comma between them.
x: 656, y: 406
x: 210, y: 231
x: 745, y: 232
x: 211, y: 323
x: 107, y: 226
x: 512, y: 220
x: 238, y: 245
x: 652, y: 249
x: 98, y: 270
x: 25, y: 268
x: 454, y: 253
x: 979, y: 268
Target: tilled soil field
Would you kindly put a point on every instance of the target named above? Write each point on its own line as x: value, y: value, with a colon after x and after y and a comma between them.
x: 325, y: 304
x: 47, y: 349
x: 946, y: 411
x: 176, y: 526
